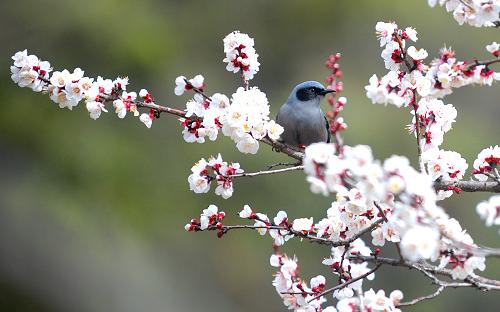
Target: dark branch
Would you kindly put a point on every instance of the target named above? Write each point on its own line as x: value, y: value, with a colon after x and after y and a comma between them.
x: 469, y: 186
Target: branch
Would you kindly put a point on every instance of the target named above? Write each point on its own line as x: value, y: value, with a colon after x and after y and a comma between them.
x: 278, y: 146
x: 263, y: 172
x: 485, y: 63
x: 429, y: 270
x: 428, y: 297
x: 289, y: 231
x: 284, y: 148
x: 468, y: 186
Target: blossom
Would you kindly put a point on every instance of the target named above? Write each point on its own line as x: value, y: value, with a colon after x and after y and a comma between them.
x: 303, y: 225
x: 420, y: 242
x: 386, y: 231
x: 445, y: 165
x: 377, y: 301
x: 385, y: 31
x: 486, y: 162
x: 273, y: 130
x: 241, y: 54
x: 120, y: 108
x: 210, y: 216
x: 318, y: 283
x: 120, y: 83
x: 248, y: 145
x: 246, y: 119
x: 410, y: 33
x: 490, y: 210
x: 182, y: 84
x: 147, y: 119
x: 95, y: 108
x: 493, y: 48
x: 60, y: 79
x: 436, y: 118
x: 475, y: 13
x: 415, y: 54
x: 247, y: 212
x: 215, y: 169
x: 262, y: 222
x: 392, y: 56
x: 206, y: 215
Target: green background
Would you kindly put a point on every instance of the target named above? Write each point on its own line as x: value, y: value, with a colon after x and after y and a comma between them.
x: 92, y: 212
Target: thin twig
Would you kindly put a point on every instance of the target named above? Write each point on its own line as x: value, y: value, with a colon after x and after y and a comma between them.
x: 263, y: 172
x: 428, y: 297
x: 284, y: 164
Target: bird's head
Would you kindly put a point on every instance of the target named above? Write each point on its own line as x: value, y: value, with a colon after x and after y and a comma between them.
x: 310, y: 90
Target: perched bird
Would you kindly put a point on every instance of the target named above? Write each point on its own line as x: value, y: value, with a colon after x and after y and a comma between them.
x: 302, y: 117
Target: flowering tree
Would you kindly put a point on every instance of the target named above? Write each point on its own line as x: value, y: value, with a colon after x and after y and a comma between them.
x: 389, y: 201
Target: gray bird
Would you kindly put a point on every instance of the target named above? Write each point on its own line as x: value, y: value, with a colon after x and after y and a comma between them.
x: 302, y: 117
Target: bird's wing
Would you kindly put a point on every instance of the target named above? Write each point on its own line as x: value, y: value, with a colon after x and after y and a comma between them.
x: 327, y: 124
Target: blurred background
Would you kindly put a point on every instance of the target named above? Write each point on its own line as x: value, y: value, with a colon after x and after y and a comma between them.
x: 92, y: 212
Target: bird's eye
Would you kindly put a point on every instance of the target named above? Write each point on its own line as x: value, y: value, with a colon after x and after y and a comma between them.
x: 313, y: 89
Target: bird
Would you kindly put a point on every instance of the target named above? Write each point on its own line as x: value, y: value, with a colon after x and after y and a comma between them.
x: 301, y: 116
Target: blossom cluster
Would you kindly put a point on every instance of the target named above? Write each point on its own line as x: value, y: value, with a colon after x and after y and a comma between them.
x: 341, y: 224
x: 203, y: 115
x: 452, y: 254
x: 405, y: 197
x: 486, y: 164
x: 294, y: 291
x: 67, y: 88
x: 215, y: 169
x: 340, y: 265
x: 244, y: 118
x: 297, y: 295
x: 420, y: 85
x: 210, y: 217
x: 281, y: 231
x: 444, y: 166
x: 247, y: 120
x: 490, y: 210
x: 477, y: 13
x: 370, y: 300
x: 241, y: 55
x: 434, y: 119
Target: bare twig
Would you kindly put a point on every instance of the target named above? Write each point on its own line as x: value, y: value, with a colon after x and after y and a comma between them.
x: 253, y: 174
x: 417, y: 300
x: 283, y: 164
x: 417, y: 132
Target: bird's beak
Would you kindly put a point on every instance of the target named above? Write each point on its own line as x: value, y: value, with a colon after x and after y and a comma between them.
x: 326, y: 91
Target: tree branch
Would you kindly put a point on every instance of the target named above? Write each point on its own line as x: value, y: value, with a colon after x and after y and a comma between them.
x: 263, y: 172
x: 469, y: 186
x: 428, y: 297
x: 429, y: 270
x: 290, y: 231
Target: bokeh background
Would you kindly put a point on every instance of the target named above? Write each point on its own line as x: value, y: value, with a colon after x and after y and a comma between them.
x: 92, y: 212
